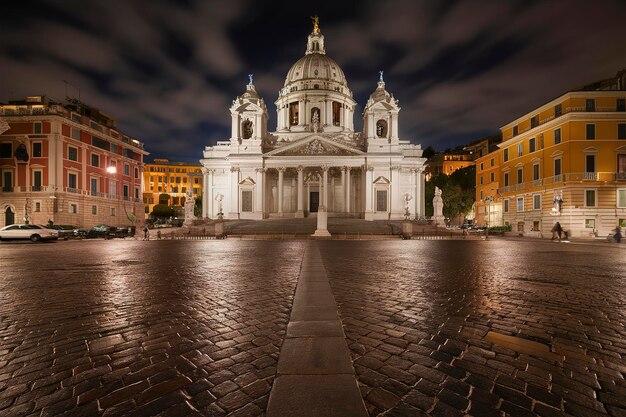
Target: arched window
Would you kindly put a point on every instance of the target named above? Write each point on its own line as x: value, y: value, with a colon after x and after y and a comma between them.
x: 336, y: 113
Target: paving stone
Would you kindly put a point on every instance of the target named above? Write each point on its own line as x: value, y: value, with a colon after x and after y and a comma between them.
x: 321, y: 355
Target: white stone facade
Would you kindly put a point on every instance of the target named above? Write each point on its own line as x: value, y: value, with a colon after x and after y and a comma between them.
x: 315, y: 158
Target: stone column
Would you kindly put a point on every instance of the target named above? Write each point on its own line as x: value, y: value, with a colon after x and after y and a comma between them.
x: 325, y: 186
x: 369, y: 173
x: 420, y: 178
x: 394, y: 192
x: 259, y: 198
x: 348, y: 185
x: 300, y: 208
x: 205, y: 193
x: 235, y: 126
x: 416, y: 195
x: 281, y: 171
x: 234, y: 193
x: 343, y: 187
x: 301, y: 110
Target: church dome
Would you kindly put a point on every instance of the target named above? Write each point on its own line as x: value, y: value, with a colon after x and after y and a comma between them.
x: 314, y: 67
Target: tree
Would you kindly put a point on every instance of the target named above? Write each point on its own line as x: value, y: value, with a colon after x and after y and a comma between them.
x: 428, y: 152
x: 164, y: 199
x: 197, y: 208
x: 163, y: 211
x: 458, y: 192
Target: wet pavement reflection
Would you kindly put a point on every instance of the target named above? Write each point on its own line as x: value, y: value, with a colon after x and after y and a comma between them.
x: 177, y: 328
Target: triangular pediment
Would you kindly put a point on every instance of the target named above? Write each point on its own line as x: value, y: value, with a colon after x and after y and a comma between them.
x: 381, y: 180
x: 247, y: 181
x: 315, y: 145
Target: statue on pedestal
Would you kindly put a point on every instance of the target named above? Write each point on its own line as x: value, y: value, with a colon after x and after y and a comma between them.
x: 438, y: 207
x: 190, y: 202
x: 219, y: 197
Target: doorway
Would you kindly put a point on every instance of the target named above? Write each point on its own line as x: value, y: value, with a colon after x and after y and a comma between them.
x: 9, y: 217
x: 314, y: 201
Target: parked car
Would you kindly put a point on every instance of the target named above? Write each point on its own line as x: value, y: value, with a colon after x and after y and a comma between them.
x: 109, y: 232
x: 65, y: 231
x: 33, y: 232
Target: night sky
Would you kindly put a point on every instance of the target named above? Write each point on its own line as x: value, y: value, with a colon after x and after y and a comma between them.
x: 169, y: 70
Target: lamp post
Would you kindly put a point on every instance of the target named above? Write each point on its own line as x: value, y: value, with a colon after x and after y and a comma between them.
x: 112, y: 171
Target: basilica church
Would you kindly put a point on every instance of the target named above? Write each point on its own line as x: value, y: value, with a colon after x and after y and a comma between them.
x: 314, y: 161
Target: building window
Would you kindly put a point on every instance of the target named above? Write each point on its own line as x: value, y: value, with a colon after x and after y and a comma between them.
x: 481, y: 180
x: 127, y: 169
x: 6, y: 150
x: 506, y: 179
x: 7, y: 181
x: 381, y: 200
x: 72, y: 153
x: 75, y: 133
x: 590, y: 198
x: 137, y: 193
x: 491, y: 162
x: 557, y: 169
x: 531, y: 145
x: 506, y: 206
x: 336, y: 113
x: 36, y: 149
x: 520, y: 204
x: 506, y: 155
x: 293, y: 113
x: 590, y: 163
x: 492, y: 177
x: 520, y: 149
x: 535, y: 172
x: 481, y: 197
x: 591, y: 131
x: 37, y: 128
x: 520, y: 175
x: 72, y: 181
x: 95, y: 160
x: 557, y: 136
x: 73, y: 208
x: 37, y: 206
x: 94, y: 210
x: 621, y: 198
x: 534, y: 121
x: 37, y: 180
x: 536, y: 201
x: 590, y: 223
x: 621, y: 130
x: 94, y: 186
x: 136, y: 172
x: 515, y: 130
x: 621, y: 166
x: 621, y: 104
x: 590, y: 105
x: 482, y: 166
x: 558, y: 110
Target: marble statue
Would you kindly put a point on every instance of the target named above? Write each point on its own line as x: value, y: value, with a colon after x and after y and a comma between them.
x: 407, y: 213
x: 190, y: 202
x: 219, y: 197
x: 315, y: 123
x: 438, y: 207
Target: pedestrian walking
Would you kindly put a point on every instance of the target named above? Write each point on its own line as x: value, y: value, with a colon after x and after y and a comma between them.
x: 557, y: 230
x: 618, y: 234
x: 146, y: 233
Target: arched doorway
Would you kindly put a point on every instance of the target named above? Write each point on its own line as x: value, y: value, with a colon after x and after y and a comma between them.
x: 9, y: 216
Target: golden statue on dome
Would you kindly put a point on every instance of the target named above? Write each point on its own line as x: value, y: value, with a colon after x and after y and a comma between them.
x: 315, y: 20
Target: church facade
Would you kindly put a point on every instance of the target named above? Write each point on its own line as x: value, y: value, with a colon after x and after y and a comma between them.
x: 314, y: 161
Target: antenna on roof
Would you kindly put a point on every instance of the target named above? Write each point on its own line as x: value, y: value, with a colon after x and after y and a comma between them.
x: 66, y: 93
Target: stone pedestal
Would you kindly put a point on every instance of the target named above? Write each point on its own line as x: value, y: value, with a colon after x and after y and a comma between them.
x: 439, y: 221
x: 299, y: 214
x: 407, y: 229
x: 322, y: 224
x: 219, y: 229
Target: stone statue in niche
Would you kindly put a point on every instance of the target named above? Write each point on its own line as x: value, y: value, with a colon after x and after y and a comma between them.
x: 315, y: 120
x: 219, y: 197
x: 381, y: 129
x: 21, y: 153
x: 247, y: 129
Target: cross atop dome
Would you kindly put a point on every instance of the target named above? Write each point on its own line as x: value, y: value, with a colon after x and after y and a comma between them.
x: 315, y: 44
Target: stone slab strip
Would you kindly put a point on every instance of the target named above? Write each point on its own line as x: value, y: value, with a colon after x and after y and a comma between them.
x: 315, y: 376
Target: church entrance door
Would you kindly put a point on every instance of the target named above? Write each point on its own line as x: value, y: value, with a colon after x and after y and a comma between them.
x: 9, y: 216
x: 314, y: 201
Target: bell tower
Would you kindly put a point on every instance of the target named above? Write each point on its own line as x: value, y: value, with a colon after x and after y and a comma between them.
x: 248, y: 119
x: 380, y: 118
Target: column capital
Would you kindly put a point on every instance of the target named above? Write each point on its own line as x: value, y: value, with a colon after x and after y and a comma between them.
x: 260, y: 170
x: 281, y: 169
x: 345, y: 168
x: 234, y: 169
x: 325, y: 168
x: 300, y: 168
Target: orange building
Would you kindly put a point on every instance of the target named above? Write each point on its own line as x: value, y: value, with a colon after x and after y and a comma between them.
x: 564, y: 161
x: 173, y: 178
x: 447, y: 163
x: 67, y: 163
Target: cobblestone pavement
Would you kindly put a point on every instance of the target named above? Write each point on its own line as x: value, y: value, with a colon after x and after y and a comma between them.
x: 194, y: 328
x: 112, y: 328
x: 428, y: 324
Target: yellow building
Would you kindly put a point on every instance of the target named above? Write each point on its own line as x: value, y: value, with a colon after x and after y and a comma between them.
x: 562, y: 162
x: 447, y: 163
x: 173, y: 178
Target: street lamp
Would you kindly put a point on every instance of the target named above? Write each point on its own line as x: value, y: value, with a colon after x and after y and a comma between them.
x: 112, y: 170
